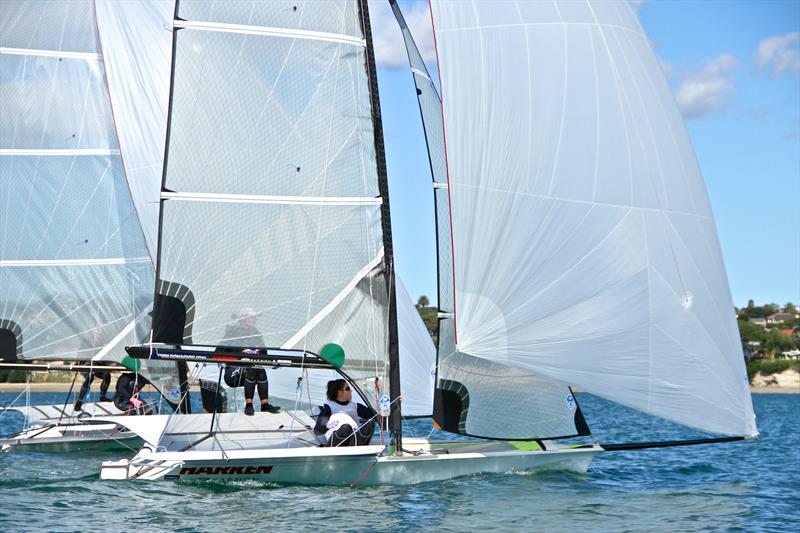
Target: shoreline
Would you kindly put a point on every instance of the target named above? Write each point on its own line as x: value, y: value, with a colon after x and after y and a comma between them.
x: 58, y: 387
x: 65, y: 387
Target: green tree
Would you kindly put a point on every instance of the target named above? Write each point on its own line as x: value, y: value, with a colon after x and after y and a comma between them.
x: 423, y: 301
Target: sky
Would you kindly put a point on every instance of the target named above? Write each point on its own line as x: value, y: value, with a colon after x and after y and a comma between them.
x: 734, y: 67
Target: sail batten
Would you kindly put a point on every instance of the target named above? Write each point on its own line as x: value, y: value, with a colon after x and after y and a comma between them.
x: 271, y: 31
x: 584, y: 244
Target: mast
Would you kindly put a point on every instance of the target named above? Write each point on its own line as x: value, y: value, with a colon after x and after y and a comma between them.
x: 395, y: 419
x: 168, y: 329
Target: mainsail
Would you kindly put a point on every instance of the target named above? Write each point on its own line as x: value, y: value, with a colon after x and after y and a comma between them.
x: 584, y: 247
x: 76, y: 276
x: 273, y: 208
x: 74, y: 271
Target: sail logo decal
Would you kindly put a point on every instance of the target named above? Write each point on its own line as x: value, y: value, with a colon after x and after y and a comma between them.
x: 224, y: 470
x: 570, y: 401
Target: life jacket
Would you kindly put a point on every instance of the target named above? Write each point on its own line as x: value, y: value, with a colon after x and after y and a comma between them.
x: 350, y: 409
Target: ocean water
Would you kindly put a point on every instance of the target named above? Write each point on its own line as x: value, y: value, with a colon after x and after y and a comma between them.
x: 740, y: 486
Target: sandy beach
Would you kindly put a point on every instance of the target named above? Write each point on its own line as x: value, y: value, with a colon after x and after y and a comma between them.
x: 53, y: 387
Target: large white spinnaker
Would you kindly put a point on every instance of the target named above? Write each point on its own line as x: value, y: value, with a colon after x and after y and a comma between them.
x: 583, y: 241
x: 474, y: 395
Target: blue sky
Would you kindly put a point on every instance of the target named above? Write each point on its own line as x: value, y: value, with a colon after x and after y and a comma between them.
x: 734, y: 67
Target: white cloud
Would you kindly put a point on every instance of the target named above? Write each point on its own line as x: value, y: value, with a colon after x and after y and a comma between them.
x: 706, y: 89
x: 390, y: 51
x: 781, y: 53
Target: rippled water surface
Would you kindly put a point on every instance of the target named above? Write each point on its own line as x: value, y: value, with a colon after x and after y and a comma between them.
x: 745, y: 486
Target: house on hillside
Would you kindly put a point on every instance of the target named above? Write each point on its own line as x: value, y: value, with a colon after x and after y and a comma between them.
x: 759, y: 322
x: 780, y: 317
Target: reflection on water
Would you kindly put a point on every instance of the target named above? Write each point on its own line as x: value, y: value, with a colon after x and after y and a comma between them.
x: 748, y: 486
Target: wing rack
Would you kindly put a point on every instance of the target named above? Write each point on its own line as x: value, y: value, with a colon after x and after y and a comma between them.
x: 231, y: 355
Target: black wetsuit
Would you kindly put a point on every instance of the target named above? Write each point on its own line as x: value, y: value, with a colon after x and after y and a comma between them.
x: 128, y: 385
x: 344, y: 434
x: 95, y: 372
x: 253, y: 376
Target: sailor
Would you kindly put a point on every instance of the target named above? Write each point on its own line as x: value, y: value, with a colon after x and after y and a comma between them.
x: 243, y: 332
x: 91, y: 373
x: 127, y: 396
x: 340, y: 419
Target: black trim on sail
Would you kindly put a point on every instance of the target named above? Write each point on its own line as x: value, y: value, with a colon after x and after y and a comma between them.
x: 395, y: 418
x: 581, y: 426
x: 10, y: 341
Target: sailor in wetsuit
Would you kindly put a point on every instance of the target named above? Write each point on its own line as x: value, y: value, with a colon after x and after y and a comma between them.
x: 340, y: 417
x: 91, y: 373
x: 243, y: 332
x: 127, y: 395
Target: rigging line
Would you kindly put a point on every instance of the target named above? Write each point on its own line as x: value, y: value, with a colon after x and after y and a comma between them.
x: 7, y: 407
x: 372, y: 340
x: 77, y: 220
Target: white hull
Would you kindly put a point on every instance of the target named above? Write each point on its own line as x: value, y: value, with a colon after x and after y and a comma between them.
x: 359, y: 465
x: 72, y: 438
x: 64, y: 414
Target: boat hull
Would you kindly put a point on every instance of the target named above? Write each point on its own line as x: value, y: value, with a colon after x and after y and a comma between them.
x: 72, y: 438
x: 360, y: 465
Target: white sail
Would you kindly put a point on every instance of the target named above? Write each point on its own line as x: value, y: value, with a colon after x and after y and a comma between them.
x: 473, y: 394
x: 271, y: 210
x: 136, y: 39
x: 75, y: 275
x: 583, y: 241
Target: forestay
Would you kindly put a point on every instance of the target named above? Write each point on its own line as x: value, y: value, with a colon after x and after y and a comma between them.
x: 271, y: 211
x: 476, y: 396
x: 584, y: 245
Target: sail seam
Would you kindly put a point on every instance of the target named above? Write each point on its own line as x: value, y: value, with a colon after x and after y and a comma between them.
x: 527, y: 24
x: 270, y: 31
x: 586, y: 202
x: 265, y: 199
x: 72, y: 262
x: 55, y: 152
x: 89, y: 56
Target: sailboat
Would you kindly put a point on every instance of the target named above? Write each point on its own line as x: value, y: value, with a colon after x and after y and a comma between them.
x: 76, y: 271
x: 575, y: 241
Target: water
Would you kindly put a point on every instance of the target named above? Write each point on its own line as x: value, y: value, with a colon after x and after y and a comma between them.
x: 742, y: 486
